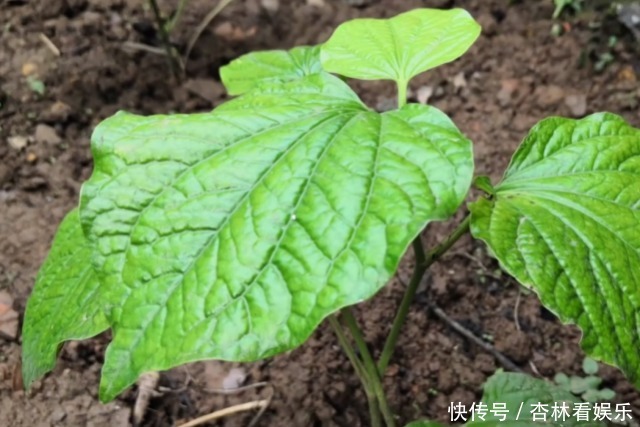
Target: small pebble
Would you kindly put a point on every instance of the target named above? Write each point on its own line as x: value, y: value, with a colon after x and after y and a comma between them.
x: 17, y: 142
x: 577, y: 104
x: 8, y: 317
x: 46, y: 134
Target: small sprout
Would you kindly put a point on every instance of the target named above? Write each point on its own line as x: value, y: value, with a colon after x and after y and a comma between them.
x: 604, y: 60
x: 36, y: 85
x: 483, y: 183
x: 561, y: 379
x: 589, y: 366
x: 587, y: 388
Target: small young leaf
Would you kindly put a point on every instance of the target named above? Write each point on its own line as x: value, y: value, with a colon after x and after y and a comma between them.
x: 605, y: 394
x: 254, y: 69
x: 589, y: 366
x: 65, y: 302
x: 565, y: 221
x: 520, y: 393
x: 580, y: 385
x: 591, y: 395
x: 561, y: 379
x: 484, y: 183
x: 36, y: 85
x: 400, y: 47
x: 233, y: 234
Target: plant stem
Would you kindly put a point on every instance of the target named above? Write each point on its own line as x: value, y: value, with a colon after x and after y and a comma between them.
x: 402, y: 93
x: 171, y: 24
x: 366, y: 368
x: 164, y: 37
x: 369, y: 366
x: 418, y: 271
x: 203, y: 25
x: 374, y: 411
x: 435, y: 253
x: 423, y: 262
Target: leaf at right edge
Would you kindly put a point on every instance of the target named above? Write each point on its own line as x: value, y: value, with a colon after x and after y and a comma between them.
x: 64, y: 304
x: 520, y: 393
x: 257, y: 68
x: 566, y: 221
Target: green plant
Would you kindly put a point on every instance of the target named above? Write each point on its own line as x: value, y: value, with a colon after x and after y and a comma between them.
x: 561, y: 5
x: 166, y: 25
x: 588, y: 388
x: 519, y: 400
x: 233, y: 234
x: 36, y: 85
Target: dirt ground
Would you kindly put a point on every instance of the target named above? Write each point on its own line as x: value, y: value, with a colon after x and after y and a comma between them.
x: 516, y: 74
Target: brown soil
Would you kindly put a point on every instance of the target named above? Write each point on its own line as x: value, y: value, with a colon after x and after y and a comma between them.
x: 516, y: 74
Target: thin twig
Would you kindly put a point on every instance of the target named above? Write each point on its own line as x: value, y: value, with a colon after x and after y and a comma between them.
x: 235, y: 390
x: 534, y: 368
x: 485, y: 270
x: 174, y: 66
x: 204, y: 24
x: 504, y: 360
x: 516, y: 308
x: 171, y: 24
x: 516, y: 319
x: 227, y: 411
x: 271, y: 391
x: 129, y: 45
x: 49, y: 44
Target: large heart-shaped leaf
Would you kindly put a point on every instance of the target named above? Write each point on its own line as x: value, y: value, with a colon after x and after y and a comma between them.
x: 566, y: 221
x: 233, y: 234
x: 65, y: 303
x: 400, y: 47
x: 257, y: 68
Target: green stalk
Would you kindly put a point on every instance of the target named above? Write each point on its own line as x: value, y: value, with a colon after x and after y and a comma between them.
x: 374, y: 410
x: 418, y: 272
x: 367, y: 370
x: 402, y: 93
x: 369, y: 366
x: 166, y: 42
x: 437, y: 252
x: 423, y: 262
x: 171, y: 24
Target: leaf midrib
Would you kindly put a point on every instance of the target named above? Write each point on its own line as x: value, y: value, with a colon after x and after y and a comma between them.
x: 208, y: 242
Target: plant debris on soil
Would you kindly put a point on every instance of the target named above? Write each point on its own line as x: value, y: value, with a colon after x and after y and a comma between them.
x: 65, y: 66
